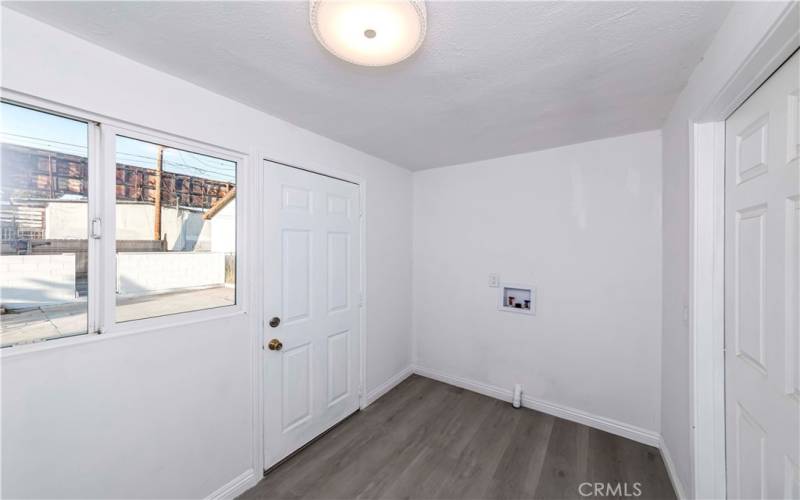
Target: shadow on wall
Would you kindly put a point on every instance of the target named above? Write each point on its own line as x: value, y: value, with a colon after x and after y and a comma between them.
x: 188, y: 227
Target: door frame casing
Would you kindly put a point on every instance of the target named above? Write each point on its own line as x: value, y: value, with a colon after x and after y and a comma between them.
x: 707, y: 263
x: 260, y: 353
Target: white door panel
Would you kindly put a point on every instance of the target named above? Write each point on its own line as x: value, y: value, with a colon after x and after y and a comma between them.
x: 296, y: 256
x: 312, y: 271
x: 762, y: 302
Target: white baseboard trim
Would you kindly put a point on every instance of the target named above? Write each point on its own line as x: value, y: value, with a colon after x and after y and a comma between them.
x: 388, y: 385
x: 677, y: 485
x: 464, y: 383
x: 645, y: 436
x: 236, y: 486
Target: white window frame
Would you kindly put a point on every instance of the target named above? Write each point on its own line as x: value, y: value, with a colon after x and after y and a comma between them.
x: 101, y: 301
x: 109, y: 135
x: 93, y: 210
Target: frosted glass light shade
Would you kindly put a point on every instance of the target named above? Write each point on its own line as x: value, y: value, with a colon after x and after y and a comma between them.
x: 369, y: 32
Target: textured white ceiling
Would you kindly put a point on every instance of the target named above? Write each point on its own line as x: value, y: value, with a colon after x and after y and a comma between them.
x: 491, y: 79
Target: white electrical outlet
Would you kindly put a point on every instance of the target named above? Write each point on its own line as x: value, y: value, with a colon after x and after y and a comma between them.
x: 494, y: 280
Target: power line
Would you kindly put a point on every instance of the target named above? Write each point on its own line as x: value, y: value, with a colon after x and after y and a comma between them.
x: 208, y: 170
x: 174, y: 163
x: 48, y: 142
x: 42, y: 139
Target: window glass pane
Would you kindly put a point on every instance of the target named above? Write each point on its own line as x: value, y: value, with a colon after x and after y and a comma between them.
x: 176, y: 230
x: 44, y: 218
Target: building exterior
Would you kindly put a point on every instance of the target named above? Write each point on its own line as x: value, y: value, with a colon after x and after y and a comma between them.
x: 45, y: 224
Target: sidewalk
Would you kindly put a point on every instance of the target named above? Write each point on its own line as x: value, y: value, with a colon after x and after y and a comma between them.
x: 69, y: 319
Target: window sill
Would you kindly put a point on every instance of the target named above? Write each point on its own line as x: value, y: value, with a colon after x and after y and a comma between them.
x: 123, y: 330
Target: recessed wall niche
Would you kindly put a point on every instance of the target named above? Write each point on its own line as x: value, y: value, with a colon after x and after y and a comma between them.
x: 517, y: 298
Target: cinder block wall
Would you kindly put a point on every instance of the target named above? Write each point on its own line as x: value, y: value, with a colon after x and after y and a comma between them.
x: 143, y: 272
x: 33, y: 280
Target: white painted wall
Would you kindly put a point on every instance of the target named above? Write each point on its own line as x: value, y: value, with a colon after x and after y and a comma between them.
x: 181, y: 227
x: 221, y: 230
x: 146, y: 272
x: 33, y: 280
x: 184, y: 229
x: 66, y: 220
x: 582, y: 224
x: 169, y: 413
x: 746, y: 25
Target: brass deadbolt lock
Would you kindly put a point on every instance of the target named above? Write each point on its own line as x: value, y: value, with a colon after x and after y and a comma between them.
x: 274, y: 322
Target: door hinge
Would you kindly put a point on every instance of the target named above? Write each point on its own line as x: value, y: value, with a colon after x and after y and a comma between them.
x: 360, y: 299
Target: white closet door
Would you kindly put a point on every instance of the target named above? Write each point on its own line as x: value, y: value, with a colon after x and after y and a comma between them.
x: 762, y: 275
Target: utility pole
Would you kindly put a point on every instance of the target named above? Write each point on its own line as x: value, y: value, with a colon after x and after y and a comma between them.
x: 50, y: 174
x: 157, y: 208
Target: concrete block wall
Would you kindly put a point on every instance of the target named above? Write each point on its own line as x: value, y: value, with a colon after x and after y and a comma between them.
x: 35, y: 280
x: 146, y: 272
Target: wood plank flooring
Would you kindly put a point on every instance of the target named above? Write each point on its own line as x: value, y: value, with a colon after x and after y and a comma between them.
x: 429, y: 440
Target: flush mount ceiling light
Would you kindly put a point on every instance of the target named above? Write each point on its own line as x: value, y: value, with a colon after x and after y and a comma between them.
x: 369, y: 32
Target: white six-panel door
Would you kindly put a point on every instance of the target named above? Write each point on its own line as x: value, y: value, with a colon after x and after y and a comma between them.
x: 312, y: 274
x: 762, y: 304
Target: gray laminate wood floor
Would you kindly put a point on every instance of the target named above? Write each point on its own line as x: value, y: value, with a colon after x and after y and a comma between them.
x: 429, y: 440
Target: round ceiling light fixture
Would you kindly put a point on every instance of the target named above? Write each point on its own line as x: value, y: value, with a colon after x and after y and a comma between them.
x: 369, y: 32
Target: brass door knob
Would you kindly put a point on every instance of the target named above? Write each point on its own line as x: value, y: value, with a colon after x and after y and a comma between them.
x: 275, y: 345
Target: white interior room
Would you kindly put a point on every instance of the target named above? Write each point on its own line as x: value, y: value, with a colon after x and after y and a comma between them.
x: 400, y: 249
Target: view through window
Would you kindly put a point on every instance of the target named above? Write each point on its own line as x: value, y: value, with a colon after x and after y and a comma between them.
x: 176, y: 230
x: 43, y: 214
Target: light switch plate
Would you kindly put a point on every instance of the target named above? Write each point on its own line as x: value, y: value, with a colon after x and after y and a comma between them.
x: 494, y: 280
